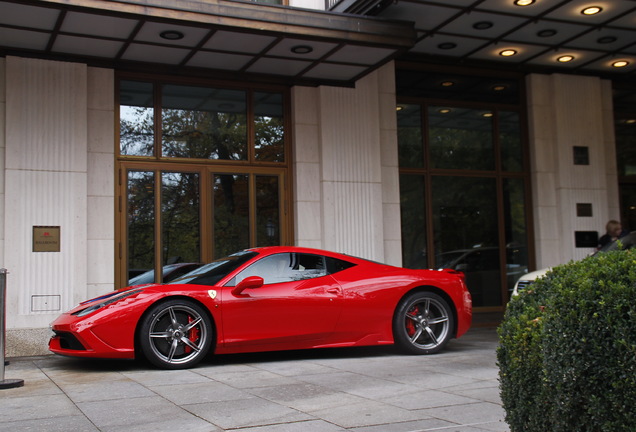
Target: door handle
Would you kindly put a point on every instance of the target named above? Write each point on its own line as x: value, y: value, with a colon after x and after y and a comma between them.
x: 334, y: 290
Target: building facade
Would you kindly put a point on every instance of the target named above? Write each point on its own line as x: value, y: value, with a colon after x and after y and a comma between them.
x: 115, y: 166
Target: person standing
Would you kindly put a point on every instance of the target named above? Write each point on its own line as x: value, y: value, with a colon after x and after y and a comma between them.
x: 613, y: 231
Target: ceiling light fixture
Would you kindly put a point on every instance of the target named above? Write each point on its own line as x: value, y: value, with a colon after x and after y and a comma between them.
x: 565, y: 58
x: 607, y: 39
x: 507, y: 52
x: 447, y: 84
x: 301, y: 49
x: 620, y: 63
x: 171, y: 35
x: 498, y: 88
x: 592, y: 10
x: 444, y: 111
x: 447, y: 45
x: 524, y: 2
x: 547, y: 33
x: 630, y: 121
x: 399, y: 108
x: 482, y: 25
x: 487, y: 114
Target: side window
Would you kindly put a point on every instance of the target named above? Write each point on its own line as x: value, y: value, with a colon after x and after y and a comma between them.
x: 335, y: 265
x: 285, y: 267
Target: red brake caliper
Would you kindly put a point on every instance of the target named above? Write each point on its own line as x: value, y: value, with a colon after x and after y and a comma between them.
x: 193, y: 335
x: 410, y: 326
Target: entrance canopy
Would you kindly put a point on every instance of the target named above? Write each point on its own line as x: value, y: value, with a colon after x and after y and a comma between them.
x: 242, y: 40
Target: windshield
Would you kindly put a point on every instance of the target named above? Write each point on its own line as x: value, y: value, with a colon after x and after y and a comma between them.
x: 213, y: 272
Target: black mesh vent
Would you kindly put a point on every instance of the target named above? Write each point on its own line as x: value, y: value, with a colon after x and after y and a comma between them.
x: 70, y: 342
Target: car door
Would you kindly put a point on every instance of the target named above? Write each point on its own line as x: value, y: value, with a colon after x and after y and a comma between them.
x: 297, y: 306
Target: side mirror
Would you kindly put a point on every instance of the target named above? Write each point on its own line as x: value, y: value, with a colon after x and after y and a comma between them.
x: 250, y: 282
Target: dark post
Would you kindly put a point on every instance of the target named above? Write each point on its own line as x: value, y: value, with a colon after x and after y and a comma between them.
x: 4, y: 383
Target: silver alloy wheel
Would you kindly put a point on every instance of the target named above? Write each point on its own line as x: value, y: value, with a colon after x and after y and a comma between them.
x: 427, y: 323
x: 177, y: 334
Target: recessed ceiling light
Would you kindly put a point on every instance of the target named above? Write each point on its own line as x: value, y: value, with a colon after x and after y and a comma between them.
x: 547, y: 33
x: 507, y: 52
x: 630, y: 121
x: 620, y: 63
x: 565, y: 58
x: 444, y: 111
x: 399, y: 108
x: 524, y: 2
x: 487, y: 114
x: 592, y: 10
x: 482, y: 25
x: 606, y: 39
x: 499, y: 88
x: 171, y: 35
x: 447, y: 84
x: 447, y: 45
x: 301, y: 49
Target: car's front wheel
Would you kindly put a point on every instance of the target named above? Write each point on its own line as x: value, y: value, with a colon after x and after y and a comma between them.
x: 423, y: 323
x: 175, y: 334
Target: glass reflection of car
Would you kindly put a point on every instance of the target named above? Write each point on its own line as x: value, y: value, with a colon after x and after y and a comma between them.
x: 170, y: 272
x: 627, y: 242
x: 481, y: 267
x: 267, y: 299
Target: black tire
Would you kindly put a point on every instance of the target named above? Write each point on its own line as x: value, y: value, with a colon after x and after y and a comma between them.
x: 423, y: 323
x: 176, y: 334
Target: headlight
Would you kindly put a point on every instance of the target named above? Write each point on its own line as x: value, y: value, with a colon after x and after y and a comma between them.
x: 107, y: 302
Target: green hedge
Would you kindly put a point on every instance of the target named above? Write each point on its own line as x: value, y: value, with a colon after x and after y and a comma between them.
x: 567, y: 353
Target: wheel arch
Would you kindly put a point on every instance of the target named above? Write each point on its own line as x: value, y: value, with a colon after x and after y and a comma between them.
x: 165, y: 299
x: 435, y: 290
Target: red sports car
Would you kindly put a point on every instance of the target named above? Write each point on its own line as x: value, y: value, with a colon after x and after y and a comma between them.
x: 267, y: 299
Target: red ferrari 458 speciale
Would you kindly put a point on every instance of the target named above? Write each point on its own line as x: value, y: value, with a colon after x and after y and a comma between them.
x: 267, y: 299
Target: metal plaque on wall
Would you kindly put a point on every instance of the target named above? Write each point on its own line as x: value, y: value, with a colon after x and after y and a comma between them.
x: 46, y: 239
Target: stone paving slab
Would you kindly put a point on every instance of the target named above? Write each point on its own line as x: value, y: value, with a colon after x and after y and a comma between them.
x: 374, y: 389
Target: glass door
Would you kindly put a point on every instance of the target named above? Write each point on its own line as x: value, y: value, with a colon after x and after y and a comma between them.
x: 171, y: 220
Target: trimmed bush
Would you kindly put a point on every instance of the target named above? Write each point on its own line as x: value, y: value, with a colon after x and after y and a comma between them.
x: 567, y: 353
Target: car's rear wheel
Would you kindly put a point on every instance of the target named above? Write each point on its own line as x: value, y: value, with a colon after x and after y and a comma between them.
x: 423, y: 323
x: 175, y: 334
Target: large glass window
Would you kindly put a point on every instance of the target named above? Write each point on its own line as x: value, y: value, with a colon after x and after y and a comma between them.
x: 231, y: 213
x: 180, y: 210
x: 140, y: 222
x: 269, y: 127
x: 198, y: 122
x: 625, y: 127
x: 413, y: 219
x: 203, y: 123
x: 463, y: 181
x: 460, y: 138
x: 202, y: 173
x: 466, y: 233
x: 136, y: 119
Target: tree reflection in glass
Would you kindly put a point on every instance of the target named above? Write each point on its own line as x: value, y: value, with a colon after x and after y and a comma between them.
x: 231, y: 214
x: 141, y: 222
x: 136, y: 119
x: 269, y: 127
x: 180, y: 199
x: 203, y: 123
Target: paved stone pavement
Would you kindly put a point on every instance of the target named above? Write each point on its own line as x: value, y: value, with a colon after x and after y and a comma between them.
x: 354, y: 389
